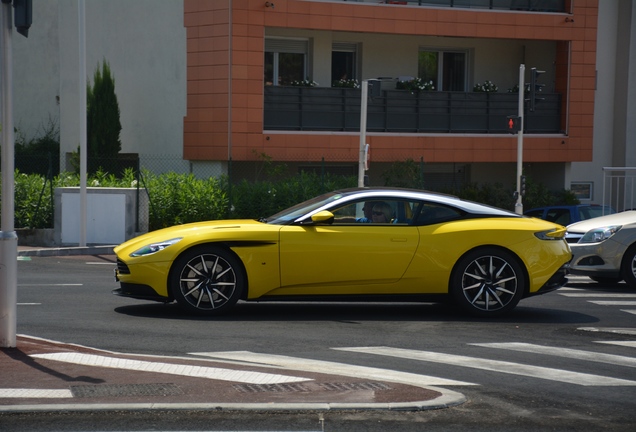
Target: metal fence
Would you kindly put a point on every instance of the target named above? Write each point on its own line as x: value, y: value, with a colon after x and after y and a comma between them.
x: 619, y: 187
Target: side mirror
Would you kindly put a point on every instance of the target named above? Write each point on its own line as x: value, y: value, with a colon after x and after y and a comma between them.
x: 322, y: 217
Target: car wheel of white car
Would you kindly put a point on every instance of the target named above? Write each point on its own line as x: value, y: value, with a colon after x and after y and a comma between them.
x: 629, y: 266
x: 487, y: 282
x: 207, y: 280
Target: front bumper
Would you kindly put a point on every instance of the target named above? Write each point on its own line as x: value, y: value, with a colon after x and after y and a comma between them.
x: 557, y: 280
x: 597, y: 259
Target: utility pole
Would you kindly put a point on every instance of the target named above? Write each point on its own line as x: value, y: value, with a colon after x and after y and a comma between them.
x: 8, y: 237
x: 518, y: 193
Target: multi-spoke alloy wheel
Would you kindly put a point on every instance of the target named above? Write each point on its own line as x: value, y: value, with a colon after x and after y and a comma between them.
x: 487, y: 282
x: 207, y: 280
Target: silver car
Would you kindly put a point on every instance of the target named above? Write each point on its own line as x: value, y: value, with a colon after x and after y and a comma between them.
x: 604, y: 248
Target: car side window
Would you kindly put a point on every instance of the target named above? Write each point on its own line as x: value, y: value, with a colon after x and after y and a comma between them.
x: 382, y: 211
x: 559, y: 216
x: 433, y: 213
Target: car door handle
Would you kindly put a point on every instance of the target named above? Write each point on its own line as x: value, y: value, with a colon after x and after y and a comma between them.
x: 398, y: 239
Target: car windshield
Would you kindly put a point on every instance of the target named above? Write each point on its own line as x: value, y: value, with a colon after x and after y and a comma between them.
x: 595, y: 211
x: 291, y: 214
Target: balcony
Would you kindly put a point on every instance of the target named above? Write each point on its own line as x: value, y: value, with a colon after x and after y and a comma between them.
x: 400, y: 111
x: 555, y: 6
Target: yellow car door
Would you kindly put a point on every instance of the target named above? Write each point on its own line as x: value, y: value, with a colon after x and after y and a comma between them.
x: 345, y: 255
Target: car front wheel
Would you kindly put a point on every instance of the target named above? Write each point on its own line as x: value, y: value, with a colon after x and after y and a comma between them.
x: 487, y: 282
x: 207, y: 280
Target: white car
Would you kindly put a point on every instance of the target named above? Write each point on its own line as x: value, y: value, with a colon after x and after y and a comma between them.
x: 604, y: 248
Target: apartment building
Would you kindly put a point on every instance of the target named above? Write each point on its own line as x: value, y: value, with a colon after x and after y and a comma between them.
x: 263, y: 78
x: 205, y: 81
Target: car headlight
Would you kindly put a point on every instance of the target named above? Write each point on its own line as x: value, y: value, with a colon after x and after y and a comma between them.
x: 155, y: 247
x: 600, y: 234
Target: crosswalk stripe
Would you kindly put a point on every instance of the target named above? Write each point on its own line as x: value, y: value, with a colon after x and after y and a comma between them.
x: 603, y: 295
x: 35, y: 393
x: 563, y: 352
x: 613, y: 303
x: 630, y: 344
x: 499, y: 366
x: 170, y: 368
x: 333, y: 368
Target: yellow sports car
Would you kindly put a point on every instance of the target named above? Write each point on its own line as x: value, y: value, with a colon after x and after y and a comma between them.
x: 355, y: 244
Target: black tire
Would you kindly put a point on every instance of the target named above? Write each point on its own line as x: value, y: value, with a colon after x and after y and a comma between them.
x: 207, y: 280
x: 628, y: 267
x: 487, y: 282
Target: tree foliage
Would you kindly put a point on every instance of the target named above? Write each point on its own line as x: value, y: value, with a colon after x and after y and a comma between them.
x: 102, y: 115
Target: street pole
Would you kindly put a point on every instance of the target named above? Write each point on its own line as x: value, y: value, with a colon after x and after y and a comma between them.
x: 8, y: 236
x: 363, y: 131
x: 522, y: 85
x: 82, y: 120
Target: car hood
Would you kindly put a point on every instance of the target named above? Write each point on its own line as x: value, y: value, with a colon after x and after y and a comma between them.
x: 623, y: 218
x: 221, y: 230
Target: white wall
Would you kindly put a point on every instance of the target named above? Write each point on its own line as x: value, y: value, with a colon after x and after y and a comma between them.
x: 144, y: 41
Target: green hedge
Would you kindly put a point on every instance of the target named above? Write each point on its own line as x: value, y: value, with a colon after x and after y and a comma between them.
x: 182, y: 198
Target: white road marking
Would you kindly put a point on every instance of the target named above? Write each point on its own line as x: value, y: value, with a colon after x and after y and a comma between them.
x: 630, y: 344
x: 613, y: 303
x: 498, y: 366
x: 625, y: 331
x: 49, y: 285
x: 563, y: 352
x: 603, y: 295
x: 333, y: 368
x: 34, y: 393
x: 169, y: 368
x: 631, y: 311
x: 29, y: 304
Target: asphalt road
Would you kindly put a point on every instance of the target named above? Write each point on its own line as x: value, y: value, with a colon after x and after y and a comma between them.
x: 556, y: 363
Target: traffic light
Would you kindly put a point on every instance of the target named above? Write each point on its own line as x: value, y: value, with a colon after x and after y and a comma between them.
x: 535, y: 87
x: 22, y: 15
x: 514, y: 124
x: 522, y: 187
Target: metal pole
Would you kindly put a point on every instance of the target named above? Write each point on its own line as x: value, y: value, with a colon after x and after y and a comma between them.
x: 8, y: 236
x: 363, y: 131
x: 522, y: 85
x: 82, y: 119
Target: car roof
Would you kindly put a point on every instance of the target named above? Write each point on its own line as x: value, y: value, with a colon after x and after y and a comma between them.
x: 418, y: 194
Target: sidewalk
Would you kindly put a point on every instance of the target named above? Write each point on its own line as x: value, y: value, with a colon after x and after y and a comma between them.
x: 42, y: 375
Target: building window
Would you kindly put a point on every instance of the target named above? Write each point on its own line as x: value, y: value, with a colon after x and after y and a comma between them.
x: 344, y: 61
x: 446, y: 69
x: 285, y: 61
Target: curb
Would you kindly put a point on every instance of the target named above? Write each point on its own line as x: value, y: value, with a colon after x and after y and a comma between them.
x: 66, y: 251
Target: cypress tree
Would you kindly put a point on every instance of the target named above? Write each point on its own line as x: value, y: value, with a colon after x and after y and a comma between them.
x: 102, y: 110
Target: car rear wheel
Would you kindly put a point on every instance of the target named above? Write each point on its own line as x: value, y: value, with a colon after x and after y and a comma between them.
x: 207, y: 280
x: 487, y: 282
x: 629, y: 266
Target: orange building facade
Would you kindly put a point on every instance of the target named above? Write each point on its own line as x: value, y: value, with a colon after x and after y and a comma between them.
x: 226, y: 95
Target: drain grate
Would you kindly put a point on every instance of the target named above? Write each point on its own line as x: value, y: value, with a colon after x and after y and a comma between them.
x: 354, y: 386
x: 122, y: 390
x: 278, y: 388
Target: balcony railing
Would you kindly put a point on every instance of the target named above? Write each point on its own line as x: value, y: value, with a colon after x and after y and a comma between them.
x: 518, y: 5
x: 338, y: 109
